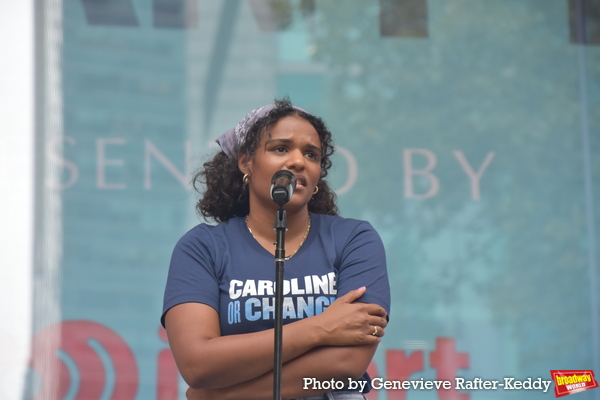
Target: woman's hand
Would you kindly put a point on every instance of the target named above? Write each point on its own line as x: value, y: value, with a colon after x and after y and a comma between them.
x: 348, y: 323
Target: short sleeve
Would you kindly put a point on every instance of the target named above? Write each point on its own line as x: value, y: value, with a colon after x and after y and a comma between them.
x: 192, y: 276
x: 361, y: 263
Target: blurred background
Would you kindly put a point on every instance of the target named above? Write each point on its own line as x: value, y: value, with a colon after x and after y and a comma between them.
x: 468, y: 134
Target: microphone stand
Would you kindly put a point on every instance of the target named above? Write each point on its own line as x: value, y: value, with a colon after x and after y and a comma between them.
x: 280, y: 228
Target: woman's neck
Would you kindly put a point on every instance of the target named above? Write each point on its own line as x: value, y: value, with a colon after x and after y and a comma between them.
x: 262, y: 222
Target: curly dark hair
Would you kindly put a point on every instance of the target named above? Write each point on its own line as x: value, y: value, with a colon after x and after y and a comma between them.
x: 226, y: 196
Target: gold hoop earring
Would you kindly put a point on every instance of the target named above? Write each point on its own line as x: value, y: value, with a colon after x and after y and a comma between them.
x: 246, y: 178
x: 316, y: 190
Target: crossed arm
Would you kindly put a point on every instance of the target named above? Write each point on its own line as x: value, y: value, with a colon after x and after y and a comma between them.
x: 337, y: 344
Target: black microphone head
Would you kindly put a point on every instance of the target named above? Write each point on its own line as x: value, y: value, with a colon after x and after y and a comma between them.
x: 283, y: 184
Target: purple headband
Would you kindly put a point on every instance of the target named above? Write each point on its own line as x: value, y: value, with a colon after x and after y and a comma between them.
x: 232, y: 139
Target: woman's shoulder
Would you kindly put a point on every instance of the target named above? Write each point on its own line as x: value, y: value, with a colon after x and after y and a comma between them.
x: 344, y: 230
x: 204, y: 232
x: 340, y: 223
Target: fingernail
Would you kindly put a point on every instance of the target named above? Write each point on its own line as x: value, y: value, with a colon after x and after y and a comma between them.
x: 362, y: 287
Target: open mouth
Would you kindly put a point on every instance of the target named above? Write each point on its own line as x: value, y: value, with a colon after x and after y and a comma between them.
x: 300, y: 180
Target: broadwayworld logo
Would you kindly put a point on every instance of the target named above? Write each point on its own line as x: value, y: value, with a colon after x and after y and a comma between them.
x: 572, y: 381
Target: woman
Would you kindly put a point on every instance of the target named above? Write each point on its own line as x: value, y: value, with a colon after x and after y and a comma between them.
x: 219, y: 310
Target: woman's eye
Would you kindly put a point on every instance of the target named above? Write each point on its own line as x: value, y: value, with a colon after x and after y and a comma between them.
x: 313, y: 156
x: 279, y: 149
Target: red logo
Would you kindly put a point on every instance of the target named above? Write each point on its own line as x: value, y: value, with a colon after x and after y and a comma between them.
x: 68, y: 356
x: 572, y: 381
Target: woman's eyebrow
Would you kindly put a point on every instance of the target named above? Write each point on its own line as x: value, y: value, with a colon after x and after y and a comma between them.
x: 316, y: 148
x: 281, y: 140
x: 278, y: 140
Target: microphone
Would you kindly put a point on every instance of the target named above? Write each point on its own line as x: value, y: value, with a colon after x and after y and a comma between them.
x: 283, y: 184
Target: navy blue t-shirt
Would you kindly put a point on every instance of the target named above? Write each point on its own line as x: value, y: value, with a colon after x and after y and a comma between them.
x: 224, y: 267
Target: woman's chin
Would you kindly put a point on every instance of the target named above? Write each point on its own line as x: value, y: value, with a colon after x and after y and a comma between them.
x: 298, y: 200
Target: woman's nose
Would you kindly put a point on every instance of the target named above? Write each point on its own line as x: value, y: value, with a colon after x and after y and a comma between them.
x: 295, y: 160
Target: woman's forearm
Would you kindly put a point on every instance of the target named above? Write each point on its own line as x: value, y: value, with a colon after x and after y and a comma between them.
x: 322, y: 364
x: 220, y: 361
x: 208, y: 360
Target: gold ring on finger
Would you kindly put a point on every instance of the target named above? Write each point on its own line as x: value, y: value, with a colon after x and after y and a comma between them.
x: 375, y: 331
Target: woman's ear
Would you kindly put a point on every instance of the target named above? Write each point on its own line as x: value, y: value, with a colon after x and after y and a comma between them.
x: 243, y: 164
